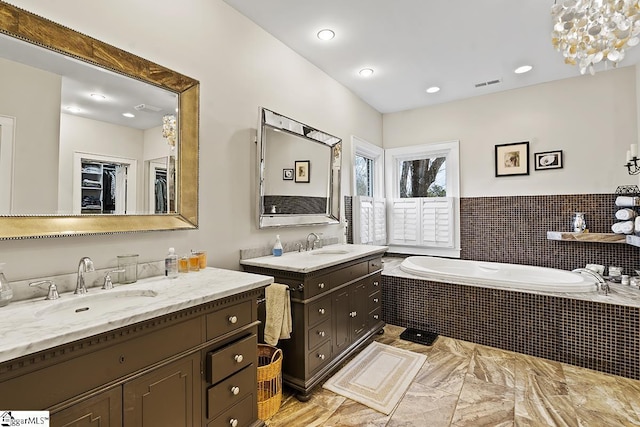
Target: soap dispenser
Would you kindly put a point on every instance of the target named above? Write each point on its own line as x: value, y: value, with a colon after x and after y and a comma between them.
x: 277, y: 248
x: 6, y: 293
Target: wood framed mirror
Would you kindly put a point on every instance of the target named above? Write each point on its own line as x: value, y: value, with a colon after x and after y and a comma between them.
x: 182, y: 207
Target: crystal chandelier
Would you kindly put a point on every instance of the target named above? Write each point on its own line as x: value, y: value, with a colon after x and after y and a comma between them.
x: 169, y: 129
x: 591, y: 31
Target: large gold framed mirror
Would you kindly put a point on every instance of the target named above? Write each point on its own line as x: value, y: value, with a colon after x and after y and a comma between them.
x: 179, y: 208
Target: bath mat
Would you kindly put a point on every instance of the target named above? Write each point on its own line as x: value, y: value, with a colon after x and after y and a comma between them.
x: 377, y: 377
x: 418, y: 336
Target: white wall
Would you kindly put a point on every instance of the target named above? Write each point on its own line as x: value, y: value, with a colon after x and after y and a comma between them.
x: 591, y: 118
x: 30, y: 96
x: 240, y: 67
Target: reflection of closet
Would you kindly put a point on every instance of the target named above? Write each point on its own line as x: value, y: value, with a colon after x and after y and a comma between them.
x: 91, y: 187
x: 160, y: 186
x: 99, y: 187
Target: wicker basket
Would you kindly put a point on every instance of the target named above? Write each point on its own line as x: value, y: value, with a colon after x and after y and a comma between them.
x: 269, y: 380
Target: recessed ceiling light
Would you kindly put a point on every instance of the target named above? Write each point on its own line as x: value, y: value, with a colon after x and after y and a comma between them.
x: 73, y: 109
x: 129, y: 115
x: 98, y: 96
x: 326, y: 34
x: 433, y: 89
x: 523, y: 69
x: 366, y: 72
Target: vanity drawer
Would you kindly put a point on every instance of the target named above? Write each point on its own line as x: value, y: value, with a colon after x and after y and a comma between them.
x: 317, y: 358
x: 375, y: 316
x: 317, y: 285
x: 319, y: 310
x: 228, y: 319
x: 350, y: 273
x: 230, y: 391
x: 374, y: 300
x: 227, y: 360
x: 241, y: 414
x: 375, y: 283
x: 375, y: 265
x: 319, y: 333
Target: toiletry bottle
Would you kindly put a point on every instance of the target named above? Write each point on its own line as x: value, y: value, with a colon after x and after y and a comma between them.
x: 277, y: 248
x: 171, y: 264
x: 6, y: 293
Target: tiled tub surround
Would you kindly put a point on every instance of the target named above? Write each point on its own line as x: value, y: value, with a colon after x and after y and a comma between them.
x: 514, y: 230
x: 589, y: 330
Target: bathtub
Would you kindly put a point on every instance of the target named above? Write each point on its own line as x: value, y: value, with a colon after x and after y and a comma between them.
x: 498, y: 275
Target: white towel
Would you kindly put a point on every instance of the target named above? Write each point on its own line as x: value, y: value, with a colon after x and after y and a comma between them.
x: 637, y: 224
x: 627, y: 201
x: 625, y: 214
x: 278, y: 323
x: 625, y: 227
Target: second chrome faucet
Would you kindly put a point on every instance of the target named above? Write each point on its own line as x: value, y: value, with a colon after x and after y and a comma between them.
x: 85, y: 265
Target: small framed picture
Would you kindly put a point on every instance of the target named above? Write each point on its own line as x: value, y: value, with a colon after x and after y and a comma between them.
x: 512, y: 159
x: 303, y: 171
x: 287, y: 174
x: 548, y: 160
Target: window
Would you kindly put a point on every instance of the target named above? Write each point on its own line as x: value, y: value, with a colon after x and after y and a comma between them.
x: 364, y: 176
x: 369, y: 209
x: 422, y: 190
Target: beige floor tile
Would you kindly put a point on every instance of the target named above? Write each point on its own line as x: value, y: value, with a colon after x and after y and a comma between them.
x: 484, y: 404
x: 493, y: 369
x: 424, y: 406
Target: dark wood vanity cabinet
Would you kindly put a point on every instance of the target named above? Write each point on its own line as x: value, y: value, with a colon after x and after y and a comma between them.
x: 335, y: 311
x: 193, y: 368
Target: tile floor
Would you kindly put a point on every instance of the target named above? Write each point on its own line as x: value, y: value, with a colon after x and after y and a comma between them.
x: 464, y: 384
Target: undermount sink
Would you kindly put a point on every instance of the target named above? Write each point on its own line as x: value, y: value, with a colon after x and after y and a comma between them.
x: 329, y: 252
x: 94, y: 303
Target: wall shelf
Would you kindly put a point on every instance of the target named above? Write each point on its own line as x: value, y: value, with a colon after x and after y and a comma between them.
x: 588, y: 237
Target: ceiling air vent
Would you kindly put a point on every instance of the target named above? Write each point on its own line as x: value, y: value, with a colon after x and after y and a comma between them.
x: 147, y: 108
x: 488, y: 83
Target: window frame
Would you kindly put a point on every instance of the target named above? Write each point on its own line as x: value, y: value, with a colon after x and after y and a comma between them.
x: 360, y: 147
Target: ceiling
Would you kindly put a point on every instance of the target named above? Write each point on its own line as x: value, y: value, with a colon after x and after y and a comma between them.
x: 415, y: 44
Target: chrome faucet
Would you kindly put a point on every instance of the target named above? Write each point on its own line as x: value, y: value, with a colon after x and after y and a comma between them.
x: 316, y: 238
x: 604, y: 286
x: 85, y: 265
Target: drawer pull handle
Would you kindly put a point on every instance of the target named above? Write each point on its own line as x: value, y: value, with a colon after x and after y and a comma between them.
x: 321, y: 356
x: 321, y: 310
x: 376, y: 300
x: 321, y: 285
x: 321, y: 333
x: 233, y: 422
x: 375, y: 316
x: 235, y: 390
x: 375, y: 283
x: 353, y: 314
x: 238, y: 358
x: 233, y: 319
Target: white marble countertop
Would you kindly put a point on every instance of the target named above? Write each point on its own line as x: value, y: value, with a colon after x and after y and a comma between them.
x: 33, y: 325
x: 317, y: 259
x: 619, y: 294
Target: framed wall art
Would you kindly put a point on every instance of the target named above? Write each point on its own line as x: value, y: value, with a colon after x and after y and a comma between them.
x: 512, y: 159
x: 302, y: 171
x: 287, y: 174
x: 548, y: 160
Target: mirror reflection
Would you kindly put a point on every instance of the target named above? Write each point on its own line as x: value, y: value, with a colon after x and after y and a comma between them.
x: 77, y: 139
x: 299, y: 175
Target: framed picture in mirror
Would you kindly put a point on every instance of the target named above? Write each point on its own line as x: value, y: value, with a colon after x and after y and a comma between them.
x: 548, y: 160
x: 287, y: 174
x: 302, y: 171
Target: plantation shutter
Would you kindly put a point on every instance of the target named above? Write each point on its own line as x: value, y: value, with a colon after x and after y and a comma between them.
x: 404, y: 221
x: 437, y: 221
x: 369, y: 221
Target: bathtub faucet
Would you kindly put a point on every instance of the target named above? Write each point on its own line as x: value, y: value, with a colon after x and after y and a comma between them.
x: 604, y: 286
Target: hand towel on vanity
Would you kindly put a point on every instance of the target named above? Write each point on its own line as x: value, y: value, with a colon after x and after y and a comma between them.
x: 625, y: 227
x: 278, y: 323
x: 625, y: 214
x: 627, y: 201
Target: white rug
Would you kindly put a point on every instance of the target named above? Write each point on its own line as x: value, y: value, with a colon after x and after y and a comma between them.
x: 378, y: 377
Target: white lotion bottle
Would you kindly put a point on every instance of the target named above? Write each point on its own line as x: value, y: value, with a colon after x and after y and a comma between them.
x: 171, y: 264
x: 277, y: 248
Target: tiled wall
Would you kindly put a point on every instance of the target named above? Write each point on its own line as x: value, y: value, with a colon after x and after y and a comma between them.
x: 593, y: 335
x: 295, y: 204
